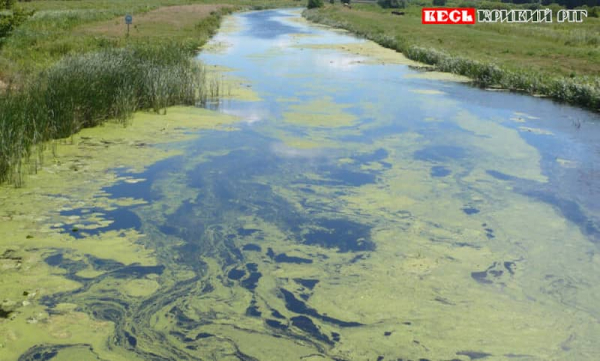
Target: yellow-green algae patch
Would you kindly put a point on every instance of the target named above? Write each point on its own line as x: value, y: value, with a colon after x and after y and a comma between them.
x: 436, y: 75
x: 412, y: 287
x: 33, y: 325
x: 502, y: 149
x: 566, y: 163
x: 420, y: 277
x: 321, y: 113
x: 416, y: 285
x: 373, y: 53
x: 525, y: 115
x: 73, y: 179
x: 432, y: 120
x: 288, y: 100
x: 314, y: 141
x: 28, y: 278
x: 427, y: 91
x: 300, y: 143
x: 216, y: 47
x: 230, y: 24
x: 535, y: 131
x: 227, y: 86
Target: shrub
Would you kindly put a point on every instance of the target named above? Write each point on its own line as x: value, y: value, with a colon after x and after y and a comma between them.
x: 7, y: 4
x: 493, y: 5
x: 533, y: 6
x: 315, y: 4
x: 467, y: 4
x: 392, y: 3
x: 8, y: 23
x: 555, y: 8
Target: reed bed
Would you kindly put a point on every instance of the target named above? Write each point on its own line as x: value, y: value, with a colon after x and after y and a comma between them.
x: 85, y: 90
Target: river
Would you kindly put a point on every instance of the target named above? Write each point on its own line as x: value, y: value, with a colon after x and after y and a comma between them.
x: 360, y: 208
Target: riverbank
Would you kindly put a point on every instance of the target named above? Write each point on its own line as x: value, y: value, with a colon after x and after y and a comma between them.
x: 60, y: 28
x: 560, y: 61
x: 72, y: 65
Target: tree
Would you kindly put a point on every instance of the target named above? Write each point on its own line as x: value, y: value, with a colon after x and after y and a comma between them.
x: 10, y: 22
x: 439, y: 2
x: 392, y: 3
x: 7, y: 4
x: 315, y: 4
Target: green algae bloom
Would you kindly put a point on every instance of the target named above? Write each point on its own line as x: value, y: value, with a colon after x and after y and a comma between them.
x: 318, y: 215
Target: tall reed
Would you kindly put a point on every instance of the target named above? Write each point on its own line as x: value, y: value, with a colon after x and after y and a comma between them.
x: 85, y: 90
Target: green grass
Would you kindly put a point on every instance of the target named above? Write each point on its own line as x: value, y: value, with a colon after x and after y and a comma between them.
x: 54, y: 30
x: 557, y: 60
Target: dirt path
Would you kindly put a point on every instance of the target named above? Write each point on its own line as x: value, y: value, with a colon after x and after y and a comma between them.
x: 165, y: 21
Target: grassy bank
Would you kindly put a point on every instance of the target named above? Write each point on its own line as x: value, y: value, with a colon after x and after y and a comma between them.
x: 561, y: 61
x: 70, y: 65
x: 60, y: 28
x: 86, y: 90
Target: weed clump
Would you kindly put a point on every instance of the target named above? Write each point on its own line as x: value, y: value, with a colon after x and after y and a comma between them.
x: 312, y: 4
x: 10, y: 21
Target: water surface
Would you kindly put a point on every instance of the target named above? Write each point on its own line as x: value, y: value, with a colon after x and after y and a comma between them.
x: 359, y: 212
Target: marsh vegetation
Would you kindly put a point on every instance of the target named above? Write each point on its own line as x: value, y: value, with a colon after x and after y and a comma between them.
x: 86, y: 90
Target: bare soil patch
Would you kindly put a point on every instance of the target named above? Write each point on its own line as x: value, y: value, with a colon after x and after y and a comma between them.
x: 165, y: 21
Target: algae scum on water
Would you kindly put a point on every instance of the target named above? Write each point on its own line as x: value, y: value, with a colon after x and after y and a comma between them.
x: 334, y: 207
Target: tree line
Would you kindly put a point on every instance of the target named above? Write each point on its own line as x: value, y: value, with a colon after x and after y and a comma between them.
x: 570, y: 4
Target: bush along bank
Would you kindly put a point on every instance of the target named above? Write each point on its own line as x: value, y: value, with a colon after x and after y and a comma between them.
x: 580, y: 91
